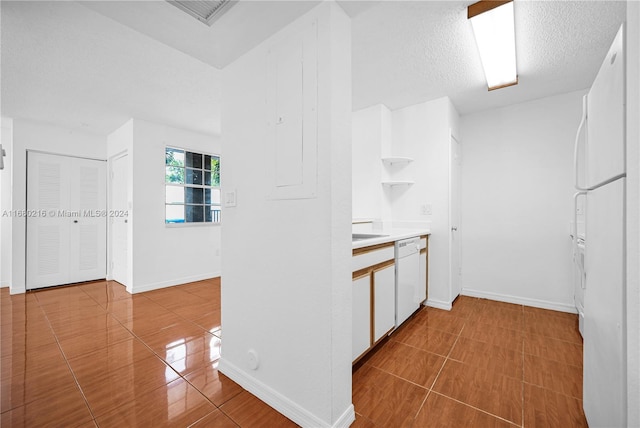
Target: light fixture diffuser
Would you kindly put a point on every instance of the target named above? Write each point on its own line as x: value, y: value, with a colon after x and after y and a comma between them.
x: 494, y: 30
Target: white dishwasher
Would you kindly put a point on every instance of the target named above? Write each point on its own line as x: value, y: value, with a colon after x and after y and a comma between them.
x: 407, y: 278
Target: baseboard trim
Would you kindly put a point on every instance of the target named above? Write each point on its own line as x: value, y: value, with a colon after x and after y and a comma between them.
x: 281, y: 403
x: 170, y: 283
x: 438, y: 304
x: 536, y: 303
x: 346, y: 419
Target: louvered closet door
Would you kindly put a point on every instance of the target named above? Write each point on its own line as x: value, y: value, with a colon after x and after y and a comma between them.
x: 66, y: 227
x: 47, y: 235
x: 88, y: 243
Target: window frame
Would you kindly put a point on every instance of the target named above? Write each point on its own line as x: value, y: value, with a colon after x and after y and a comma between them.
x: 184, y: 204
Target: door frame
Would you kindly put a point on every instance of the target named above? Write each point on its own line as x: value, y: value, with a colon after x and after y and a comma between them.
x: 111, y: 160
x: 455, y: 223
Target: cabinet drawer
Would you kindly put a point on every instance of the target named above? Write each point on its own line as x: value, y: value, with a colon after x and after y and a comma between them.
x: 364, y: 258
x: 423, y: 243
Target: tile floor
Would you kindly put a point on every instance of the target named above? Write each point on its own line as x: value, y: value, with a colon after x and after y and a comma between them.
x: 92, y: 355
x: 483, y: 364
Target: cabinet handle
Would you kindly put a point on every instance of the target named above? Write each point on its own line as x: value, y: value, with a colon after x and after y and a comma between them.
x: 453, y: 229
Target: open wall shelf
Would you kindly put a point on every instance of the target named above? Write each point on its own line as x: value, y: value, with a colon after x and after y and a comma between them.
x: 394, y: 160
x: 392, y: 184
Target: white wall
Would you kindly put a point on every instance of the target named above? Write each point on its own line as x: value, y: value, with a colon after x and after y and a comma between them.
x: 286, y: 291
x: 28, y: 135
x: 423, y: 132
x: 633, y: 213
x: 517, y: 189
x: 154, y: 268
x: 6, y: 139
x: 162, y: 256
x: 368, y: 132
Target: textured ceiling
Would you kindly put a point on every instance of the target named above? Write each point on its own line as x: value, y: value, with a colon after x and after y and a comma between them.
x: 239, y: 29
x: 95, y: 64
x: 409, y: 52
x: 66, y: 65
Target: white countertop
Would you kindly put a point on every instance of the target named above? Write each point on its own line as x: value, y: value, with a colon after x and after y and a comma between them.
x: 391, y: 236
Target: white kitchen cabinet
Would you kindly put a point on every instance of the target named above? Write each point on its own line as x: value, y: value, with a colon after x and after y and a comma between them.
x: 424, y: 268
x: 373, y: 298
x: 374, y: 293
x: 384, y: 315
x: 361, y: 316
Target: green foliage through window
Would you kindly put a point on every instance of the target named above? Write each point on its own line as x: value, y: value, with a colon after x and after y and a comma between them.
x: 192, y: 184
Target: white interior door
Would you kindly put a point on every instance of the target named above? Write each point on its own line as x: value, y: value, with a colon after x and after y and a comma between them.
x: 118, y: 221
x: 66, y: 226
x: 454, y: 217
x: 88, y: 237
x: 47, y: 230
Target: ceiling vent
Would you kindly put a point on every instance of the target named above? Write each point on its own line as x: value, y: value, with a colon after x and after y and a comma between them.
x: 205, y: 11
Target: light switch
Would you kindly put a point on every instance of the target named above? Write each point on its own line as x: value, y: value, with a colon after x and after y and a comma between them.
x: 230, y: 198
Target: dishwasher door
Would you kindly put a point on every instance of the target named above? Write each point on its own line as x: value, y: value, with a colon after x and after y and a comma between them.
x: 407, y: 278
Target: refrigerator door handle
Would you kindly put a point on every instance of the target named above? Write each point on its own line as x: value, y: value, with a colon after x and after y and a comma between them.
x: 605, y: 182
x: 576, y: 145
x: 575, y: 222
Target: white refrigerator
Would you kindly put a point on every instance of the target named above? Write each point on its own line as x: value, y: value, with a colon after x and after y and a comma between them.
x: 600, y: 176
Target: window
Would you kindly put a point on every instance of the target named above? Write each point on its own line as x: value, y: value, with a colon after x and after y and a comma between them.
x: 192, y: 184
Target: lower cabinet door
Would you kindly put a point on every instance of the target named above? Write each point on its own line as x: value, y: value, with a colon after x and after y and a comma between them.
x: 384, y: 301
x: 422, y: 287
x: 361, y: 316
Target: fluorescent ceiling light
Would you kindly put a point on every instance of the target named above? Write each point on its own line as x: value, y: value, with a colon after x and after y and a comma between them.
x: 494, y: 30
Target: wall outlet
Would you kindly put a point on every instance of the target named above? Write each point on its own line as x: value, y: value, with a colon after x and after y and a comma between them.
x: 426, y: 209
x: 252, y: 359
